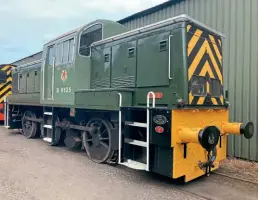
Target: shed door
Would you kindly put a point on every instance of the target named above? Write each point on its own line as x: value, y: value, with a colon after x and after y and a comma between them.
x: 48, y: 72
x: 152, y: 60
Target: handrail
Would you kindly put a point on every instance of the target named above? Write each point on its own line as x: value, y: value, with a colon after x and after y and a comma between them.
x: 43, y: 78
x: 153, y: 99
x: 169, y: 57
x: 5, y: 103
x: 120, y: 104
x: 153, y: 105
x: 53, y: 71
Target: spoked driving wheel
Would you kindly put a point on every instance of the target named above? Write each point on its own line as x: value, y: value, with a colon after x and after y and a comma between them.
x: 97, y: 142
x: 29, y: 127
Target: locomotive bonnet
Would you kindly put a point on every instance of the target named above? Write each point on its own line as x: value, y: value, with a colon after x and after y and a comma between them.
x: 150, y: 99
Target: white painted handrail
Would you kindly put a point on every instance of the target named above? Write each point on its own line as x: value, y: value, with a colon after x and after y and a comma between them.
x: 153, y: 105
x: 120, y: 136
x: 153, y: 99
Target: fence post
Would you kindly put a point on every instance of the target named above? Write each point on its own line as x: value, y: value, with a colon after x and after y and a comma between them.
x: 6, y: 112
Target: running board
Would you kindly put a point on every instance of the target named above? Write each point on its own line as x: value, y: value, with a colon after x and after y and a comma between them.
x: 47, y: 126
x: 135, y: 165
x: 135, y: 142
x: 47, y: 139
x: 137, y: 124
x: 47, y: 113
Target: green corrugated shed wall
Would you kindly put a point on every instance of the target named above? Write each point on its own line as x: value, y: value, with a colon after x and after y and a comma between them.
x: 237, y: 19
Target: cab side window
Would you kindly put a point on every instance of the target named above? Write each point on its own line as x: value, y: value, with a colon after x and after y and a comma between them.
x: 65, y: 52
x: 51, y: 55
x: 88, y: 37
x: 2, y: 77
x: 59, y: 53
x: 215, y: 87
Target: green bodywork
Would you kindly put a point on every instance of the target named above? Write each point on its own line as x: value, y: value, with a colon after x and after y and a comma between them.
x: 132, y: 66
x: 78, y: 71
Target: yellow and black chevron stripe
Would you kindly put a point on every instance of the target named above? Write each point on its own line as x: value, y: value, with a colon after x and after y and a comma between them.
x: 6, y: 88
x: 204, y: 53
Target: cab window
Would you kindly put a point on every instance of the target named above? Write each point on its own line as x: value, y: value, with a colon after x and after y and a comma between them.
x: 65, y: 52
x: 88, y: 37
x: 59, y: 53
x: 215, y: 87
x: 2, y: 77
x: 198, y: 86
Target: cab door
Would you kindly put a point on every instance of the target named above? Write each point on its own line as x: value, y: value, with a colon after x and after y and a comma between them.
x: 49, y: 73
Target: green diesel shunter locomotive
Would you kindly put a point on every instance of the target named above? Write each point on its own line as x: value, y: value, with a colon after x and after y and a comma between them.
x: 150, y: 99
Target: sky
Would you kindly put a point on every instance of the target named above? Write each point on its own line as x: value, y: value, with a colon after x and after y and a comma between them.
x: 25, y: 25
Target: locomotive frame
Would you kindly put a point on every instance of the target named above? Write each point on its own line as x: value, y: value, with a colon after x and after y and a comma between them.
x: 151, y: 98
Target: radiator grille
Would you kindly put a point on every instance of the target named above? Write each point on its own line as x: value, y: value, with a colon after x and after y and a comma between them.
x: 126, y: 81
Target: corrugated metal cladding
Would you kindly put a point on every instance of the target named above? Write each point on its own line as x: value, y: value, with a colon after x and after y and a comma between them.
x: 237, y: 19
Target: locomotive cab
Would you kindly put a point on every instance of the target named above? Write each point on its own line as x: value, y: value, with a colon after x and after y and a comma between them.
x: 67, y: 61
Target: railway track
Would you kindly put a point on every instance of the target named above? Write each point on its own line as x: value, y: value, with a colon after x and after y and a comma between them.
x: 202, y: 197
x: 193, y: 194
x: 236, y: 178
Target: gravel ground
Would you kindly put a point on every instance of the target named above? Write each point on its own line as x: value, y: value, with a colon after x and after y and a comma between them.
x: 32, y: 170
x: 240, y: 169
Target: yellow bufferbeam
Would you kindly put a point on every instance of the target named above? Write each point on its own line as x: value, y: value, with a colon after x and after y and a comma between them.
x: 188, y: 126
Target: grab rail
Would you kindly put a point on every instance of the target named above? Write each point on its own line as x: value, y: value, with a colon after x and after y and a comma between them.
x: 169, y: 57
x: 120, y: 103
x: 153, y: 106
x: 53, y: 75
x: 43, y: 78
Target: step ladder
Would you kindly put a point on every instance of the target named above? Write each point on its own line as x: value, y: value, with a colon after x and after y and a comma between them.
x: 128, y: 139
x: 48, y: 125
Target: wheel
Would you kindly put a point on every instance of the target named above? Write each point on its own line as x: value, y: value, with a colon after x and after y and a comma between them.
x: 97, y: 143
x: 29, y: 128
